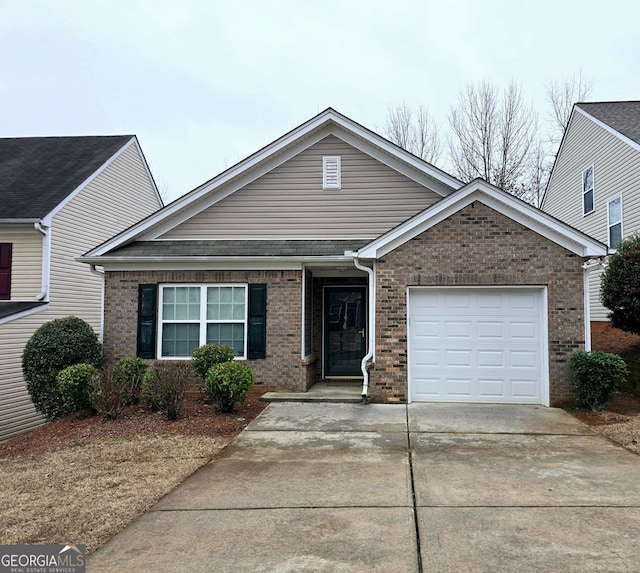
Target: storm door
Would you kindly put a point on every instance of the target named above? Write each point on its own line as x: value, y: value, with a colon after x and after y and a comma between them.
x: 345, y: 333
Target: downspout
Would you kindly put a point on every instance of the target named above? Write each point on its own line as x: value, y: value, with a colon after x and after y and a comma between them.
x: 368, y: 357
x: 46, y: 256
x: 95, y: 271
x: 587, y: 267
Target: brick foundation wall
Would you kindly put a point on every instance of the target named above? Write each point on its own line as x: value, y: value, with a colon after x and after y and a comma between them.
x: 282, y: 369
x: 477, y: 247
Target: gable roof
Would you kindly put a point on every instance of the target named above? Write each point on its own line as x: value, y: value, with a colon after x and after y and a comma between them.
x: 38, y: 173
x: 479, y: 190
x: 328, y: 122
x: 623, y: 116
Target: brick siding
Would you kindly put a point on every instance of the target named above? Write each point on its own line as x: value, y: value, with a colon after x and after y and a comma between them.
x: 283, y: 367
x: 477, y: 247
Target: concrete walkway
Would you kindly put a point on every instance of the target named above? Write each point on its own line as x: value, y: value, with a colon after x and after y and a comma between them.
x: 390, y: 488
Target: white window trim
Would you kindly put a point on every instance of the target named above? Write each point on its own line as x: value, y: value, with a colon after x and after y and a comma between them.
x: 202, y: 321
x: 593, y: 189
x: 609, y: 225
x: 325, y: 161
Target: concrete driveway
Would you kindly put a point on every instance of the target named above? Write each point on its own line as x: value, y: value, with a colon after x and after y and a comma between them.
x: 393, y: 488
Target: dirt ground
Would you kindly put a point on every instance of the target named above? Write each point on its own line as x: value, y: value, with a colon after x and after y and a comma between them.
x: 81, y: 480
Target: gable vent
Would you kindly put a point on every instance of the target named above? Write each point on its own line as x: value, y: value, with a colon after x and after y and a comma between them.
x: 331, y: 175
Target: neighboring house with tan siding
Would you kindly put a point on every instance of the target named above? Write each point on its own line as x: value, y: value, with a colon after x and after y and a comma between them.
x: 332, y: 254
x: 60, y: 197
x: 595, y: 182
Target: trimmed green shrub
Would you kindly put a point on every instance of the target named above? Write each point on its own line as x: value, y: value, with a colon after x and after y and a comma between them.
x: 205, y: 356
x: 54, y: 346
x: 110, y: 394
x: 131, y: 371
x: 75, y: 384
x: 227, y: 384
x: 597, y: 376
x: 620, y: 287
x: 164, y: 387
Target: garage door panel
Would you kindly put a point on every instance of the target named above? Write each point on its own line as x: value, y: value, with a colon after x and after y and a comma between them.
x: 457, y: 329
x: 476, y: 345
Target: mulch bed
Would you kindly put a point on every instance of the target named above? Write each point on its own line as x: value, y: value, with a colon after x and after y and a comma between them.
x: 197, y: 418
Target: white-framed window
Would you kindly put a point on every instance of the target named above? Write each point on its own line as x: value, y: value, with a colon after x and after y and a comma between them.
x: 588, y: 191
x: 614, y: 221
x: 331, y: 172
x: 193, y: 315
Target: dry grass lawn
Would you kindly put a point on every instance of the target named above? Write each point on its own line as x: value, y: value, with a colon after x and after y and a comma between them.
x: 85, y: 493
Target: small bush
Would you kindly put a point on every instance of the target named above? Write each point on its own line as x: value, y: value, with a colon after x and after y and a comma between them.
x: 206, y: 356
x: 131, y: 371
x: 164, y: 387
x: 597, y: 376
x: 109, y: 394
x: 54, y: 346
x: 75, y: 384
x: 227, y: 384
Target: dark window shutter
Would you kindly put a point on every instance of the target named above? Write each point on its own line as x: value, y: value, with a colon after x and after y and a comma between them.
x: 147, y: 319
x: 257, y: 342
x: 5, y: 271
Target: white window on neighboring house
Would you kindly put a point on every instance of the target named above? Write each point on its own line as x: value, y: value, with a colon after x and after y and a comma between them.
x: 588, y: 198
x: 614, y: 214
x: 331, y: 172
x: 193, y: 315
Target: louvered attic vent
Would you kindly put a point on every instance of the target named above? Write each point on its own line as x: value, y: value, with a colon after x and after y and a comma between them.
x: 331, y: 176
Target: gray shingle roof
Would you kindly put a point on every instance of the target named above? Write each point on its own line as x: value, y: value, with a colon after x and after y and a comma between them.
x: 623, y: 116
x: 230, y: 248
x: 8, y: 308
x: 38, y: 173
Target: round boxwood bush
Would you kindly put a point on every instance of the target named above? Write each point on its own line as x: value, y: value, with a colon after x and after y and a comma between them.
x: 54, y: 346
x: 227, y: 384
x: 75, y: 384
x: 207, y: 355
x: 597, y: 376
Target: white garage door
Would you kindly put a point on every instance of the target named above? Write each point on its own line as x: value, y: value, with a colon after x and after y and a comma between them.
x: 477, y: 345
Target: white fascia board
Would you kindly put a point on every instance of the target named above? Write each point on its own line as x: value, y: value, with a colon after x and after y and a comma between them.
x: 298, y: 139
x: 633, y: 144
x: 441, y: 185
x: 430, y: 170
x: 565, y: 135
x: 145, y: 165
x: 48, y: 218
x: 521, y: 212
x: 213, y: 263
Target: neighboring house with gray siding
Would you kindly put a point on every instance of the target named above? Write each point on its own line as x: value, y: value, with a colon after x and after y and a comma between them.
x: 595, y: 182
x: 60, y: 197
x: 332, y: 254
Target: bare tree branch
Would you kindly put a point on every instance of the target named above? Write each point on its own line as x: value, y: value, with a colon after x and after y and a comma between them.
x: 495, y: 137
x: 416, y: 132
x: 562, y: 94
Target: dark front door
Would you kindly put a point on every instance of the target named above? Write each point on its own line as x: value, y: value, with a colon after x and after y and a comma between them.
x: 345, y: 334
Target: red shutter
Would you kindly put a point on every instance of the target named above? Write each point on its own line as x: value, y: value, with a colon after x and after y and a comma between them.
x: 5, y: 271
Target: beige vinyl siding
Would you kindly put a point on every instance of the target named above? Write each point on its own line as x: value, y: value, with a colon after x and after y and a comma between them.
x: 118, y: 197
x: 598, y: 312
x: 26, y: 263
x: 289, y: 201
x: 616, y: 168
x: 616, y: 171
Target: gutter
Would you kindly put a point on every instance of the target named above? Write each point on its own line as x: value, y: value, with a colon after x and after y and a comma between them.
x: 46, y: 258
x: 588, y: 266
x: 368, y: 358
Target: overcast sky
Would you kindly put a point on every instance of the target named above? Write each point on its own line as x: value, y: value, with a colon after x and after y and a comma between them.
x: 203, y: 84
